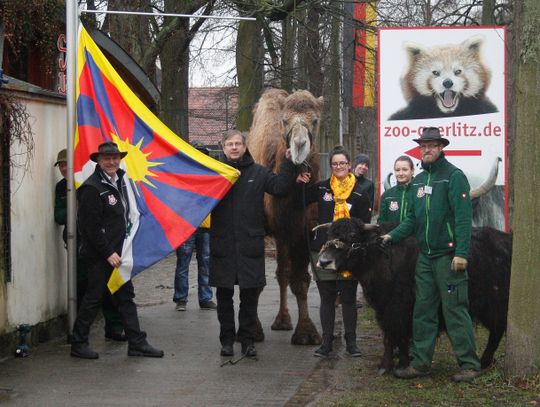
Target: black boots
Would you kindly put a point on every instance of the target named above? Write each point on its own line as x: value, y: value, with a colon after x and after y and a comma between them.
x: 144, y: 349
x: 248, y: 349
x: 83, y: 351
x: 227, y: 349
x: 326, y: 346
x: 352, y: 349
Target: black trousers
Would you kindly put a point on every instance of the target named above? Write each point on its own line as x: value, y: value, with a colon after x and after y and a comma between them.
x: 113, y: 320
x: 99, y: 272
x: 328, y: 291
x: 247, y: 314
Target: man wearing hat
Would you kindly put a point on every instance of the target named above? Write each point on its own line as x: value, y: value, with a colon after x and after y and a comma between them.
x: 440, y: 215
x: 113, y: 323
x: 60, y: 193
x: 103, y: 221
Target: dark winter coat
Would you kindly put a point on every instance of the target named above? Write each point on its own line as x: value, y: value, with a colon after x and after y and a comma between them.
x: 366, y: 186
x: 322, y: 194
x: 237, y: 228
x: 103, y: 215
x: 60, y: 205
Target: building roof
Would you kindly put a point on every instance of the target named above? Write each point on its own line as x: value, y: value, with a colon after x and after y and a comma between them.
x: 212, y: 111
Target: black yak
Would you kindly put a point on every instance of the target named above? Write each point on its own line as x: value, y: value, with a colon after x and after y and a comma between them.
x: 387, y: 279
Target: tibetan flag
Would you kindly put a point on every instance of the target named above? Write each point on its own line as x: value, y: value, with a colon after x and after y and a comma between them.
x: 365, y: 14
x: 172, y: 187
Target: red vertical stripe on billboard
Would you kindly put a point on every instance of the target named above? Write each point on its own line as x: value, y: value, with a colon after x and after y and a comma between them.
x: 359, y: 69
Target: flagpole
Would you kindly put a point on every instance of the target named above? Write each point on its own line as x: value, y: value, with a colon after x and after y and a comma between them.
x: 142, y: 13
x: 72, y: 18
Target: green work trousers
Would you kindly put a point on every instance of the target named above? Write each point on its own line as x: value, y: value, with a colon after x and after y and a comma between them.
x: 437, y: 284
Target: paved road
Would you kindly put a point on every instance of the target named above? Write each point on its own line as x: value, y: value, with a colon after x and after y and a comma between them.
x: 188, y: 375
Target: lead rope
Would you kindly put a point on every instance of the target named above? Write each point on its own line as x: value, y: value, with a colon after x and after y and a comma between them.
x: 306, y: 228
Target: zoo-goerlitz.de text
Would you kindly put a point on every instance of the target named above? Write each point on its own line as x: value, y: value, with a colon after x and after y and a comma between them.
x: 451, y: 130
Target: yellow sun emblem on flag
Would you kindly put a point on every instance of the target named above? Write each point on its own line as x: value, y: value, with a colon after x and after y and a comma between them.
x: 137, y: 164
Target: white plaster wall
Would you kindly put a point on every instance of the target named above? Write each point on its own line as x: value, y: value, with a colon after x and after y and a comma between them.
x: 38, y: 288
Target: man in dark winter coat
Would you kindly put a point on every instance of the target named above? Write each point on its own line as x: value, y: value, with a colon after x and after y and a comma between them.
x: 361, y: 168
x: 237, y: 241
x: 103, y: 220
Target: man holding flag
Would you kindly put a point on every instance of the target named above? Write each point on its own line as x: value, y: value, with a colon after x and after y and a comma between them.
x: 103, y: 219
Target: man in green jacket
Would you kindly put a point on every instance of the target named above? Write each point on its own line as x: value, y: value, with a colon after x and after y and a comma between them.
x: 441, y: 217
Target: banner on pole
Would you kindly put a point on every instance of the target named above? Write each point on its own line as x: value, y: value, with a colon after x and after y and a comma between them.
x: 453, y: 79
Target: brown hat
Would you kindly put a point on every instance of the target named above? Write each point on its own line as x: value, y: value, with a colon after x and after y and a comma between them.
x: 61, y: 157
x: 107, y: 148
x: 432, y: 134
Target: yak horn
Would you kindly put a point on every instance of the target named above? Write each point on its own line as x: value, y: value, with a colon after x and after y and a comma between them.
x: 387, y: 184
x: 368, y: 227
x: 322, y: 226
x: 489, y: 183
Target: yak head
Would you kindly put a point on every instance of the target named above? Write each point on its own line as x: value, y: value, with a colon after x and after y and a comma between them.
x: 347, y: 239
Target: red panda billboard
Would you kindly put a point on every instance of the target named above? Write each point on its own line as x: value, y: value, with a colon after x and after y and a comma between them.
x: 453, y: 79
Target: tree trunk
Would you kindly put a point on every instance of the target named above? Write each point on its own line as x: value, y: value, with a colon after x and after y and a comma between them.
x: 249, y: 68
x: 129, y: 31
x: 174, y: 59
x: 488, y: 16
x: 523, y: 334
x: 334, y: 93
x: 313, y: 54
x: 287, y: 49
x: 302, y: 75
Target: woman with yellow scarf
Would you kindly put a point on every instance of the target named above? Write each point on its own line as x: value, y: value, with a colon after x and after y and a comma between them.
x: 337, y: 197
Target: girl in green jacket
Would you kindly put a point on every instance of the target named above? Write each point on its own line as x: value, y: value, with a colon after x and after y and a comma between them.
x: 394, y: 201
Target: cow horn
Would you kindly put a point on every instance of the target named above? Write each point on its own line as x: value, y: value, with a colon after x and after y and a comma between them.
x: 489, y: 183
x: 387, y: 184
x: 322, y: 226
x: 368, y: 227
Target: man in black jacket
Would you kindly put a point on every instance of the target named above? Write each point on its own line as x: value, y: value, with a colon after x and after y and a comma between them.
x: 103, y: 220
x: 237, y: 241
x: 360, y: 170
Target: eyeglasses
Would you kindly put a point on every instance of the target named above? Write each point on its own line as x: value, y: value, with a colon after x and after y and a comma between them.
x: 429, y: 146
x: 232, y: 144
x: 340, y: 164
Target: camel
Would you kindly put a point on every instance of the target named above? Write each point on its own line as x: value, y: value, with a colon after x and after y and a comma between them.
x: 280, y: 121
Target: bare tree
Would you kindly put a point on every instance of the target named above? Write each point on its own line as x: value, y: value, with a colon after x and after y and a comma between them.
x: 523, y: 334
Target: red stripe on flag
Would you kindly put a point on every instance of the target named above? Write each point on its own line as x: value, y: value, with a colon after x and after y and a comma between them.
x: 205, y: 185
x: 89, y: 139
x: 123, y: 115
x: 158, y: 148
x: 359, y: 69
x: 175, y: 228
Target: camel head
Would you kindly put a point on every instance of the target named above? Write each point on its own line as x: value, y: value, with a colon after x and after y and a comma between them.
x: 301, y: 121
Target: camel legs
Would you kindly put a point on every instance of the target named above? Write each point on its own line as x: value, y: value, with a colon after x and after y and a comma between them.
x: 306, y: 332
x: 282, y: 322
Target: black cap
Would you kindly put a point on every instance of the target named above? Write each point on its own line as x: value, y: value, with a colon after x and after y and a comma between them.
x: 432, y: 134
x: 361, y: 159
x: 107, y: 148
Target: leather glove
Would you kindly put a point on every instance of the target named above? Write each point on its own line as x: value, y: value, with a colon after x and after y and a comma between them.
x: 459, y: 264
x: 384, y: 241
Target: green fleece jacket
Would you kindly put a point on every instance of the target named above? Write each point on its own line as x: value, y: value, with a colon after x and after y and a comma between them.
x: 394, y: 204
x: 440, y: 212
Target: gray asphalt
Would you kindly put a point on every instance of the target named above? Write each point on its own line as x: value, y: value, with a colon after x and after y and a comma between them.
x: 190, y: 373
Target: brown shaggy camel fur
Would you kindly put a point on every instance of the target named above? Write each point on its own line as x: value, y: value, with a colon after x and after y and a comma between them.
x: 292, y: 121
